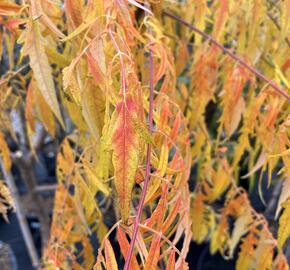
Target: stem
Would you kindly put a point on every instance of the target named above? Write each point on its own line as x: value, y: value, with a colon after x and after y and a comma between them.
x: 148, y: 167
x: 228, y: 52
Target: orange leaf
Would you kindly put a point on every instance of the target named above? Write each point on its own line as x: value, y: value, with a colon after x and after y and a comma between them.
x: 8, y: 9
x: 171, y: 261
x: 111, y: 262
x: 4, y: 152
x: 124, y: 246
x: 154, y: 253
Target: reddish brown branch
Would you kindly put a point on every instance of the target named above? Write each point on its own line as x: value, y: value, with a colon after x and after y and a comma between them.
x: 148, y: 168
x: 228, y: 52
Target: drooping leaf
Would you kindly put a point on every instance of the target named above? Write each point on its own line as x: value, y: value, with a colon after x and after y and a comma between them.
x: 41, y: 68
x: 125, y: 154
x: 111, y: 263
x: 284, y: 228
x: 124, y: 246
x: 154, y: 253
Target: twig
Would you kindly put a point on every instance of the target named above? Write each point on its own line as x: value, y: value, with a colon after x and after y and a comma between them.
x: 7, y: 76
x: 20, y: 217
x: 148, y: 167
x: 228, y: 52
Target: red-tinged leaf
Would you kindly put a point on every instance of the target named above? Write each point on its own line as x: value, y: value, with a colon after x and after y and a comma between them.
x: 176, y: 126
x: 154, y: 253
x: 41, y: 67
x: 124, y: 246
x: 14, y: 23
x: 111, y: 263
x: 164, y: 115
x: 95, y: 69
x: 280, y: 262
x: 171, y: 261
x: 125, y: 153
x: 73, y: 9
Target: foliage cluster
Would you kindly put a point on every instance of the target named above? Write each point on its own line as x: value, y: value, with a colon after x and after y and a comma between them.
x: 144, y: 104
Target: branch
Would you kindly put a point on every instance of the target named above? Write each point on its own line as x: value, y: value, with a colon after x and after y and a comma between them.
x: 20, y: 217
x: 10, y: 74
x: 228, y: 52
x: 148, y: 167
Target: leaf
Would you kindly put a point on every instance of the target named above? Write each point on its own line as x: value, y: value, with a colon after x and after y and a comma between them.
x: 154, y: 253
x: 125, y: 153
x: 100, y: 259
x: 220, y: 182
x: 172, y: 214
x: 29, y: 107
x: 163, y: 161
x: 111, y: 262
x: 44, y: 111
x: 93, y: 104
x: 284, y: 228
x: 260, y: 162
x: 6, y: 200
x: 70, y: 82
x: 5, y: 153
x: 37, y: 12
x: 40, y: 66
x: 284, y: 195
x: 124, y: 246
x: 246, y: 256
x: 73, y: 9
x: 264, y: 254
x: 94, y: 180
x: 240, y: 229
x: 171, y: 261
x: 280, y: 262
x: 203, y: 219
x: 9, y: 9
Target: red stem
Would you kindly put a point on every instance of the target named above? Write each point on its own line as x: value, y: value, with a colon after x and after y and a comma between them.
x: 148, y: 168
x: 228, y: 52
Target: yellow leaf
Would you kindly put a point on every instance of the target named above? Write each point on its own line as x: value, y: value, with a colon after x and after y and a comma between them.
x: 40, y: 66
x: 203, y: 219
x: 94, y: 182
x: 284, y: 228
x: 163, y: 160
x: 93, y: 109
